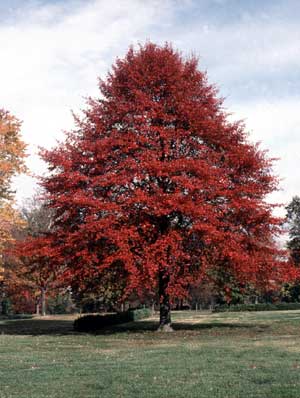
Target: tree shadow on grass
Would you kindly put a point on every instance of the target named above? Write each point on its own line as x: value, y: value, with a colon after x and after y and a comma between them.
x: 144, y: 326
x: 37, y: 327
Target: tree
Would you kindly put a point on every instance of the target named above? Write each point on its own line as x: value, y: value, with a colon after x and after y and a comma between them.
x: 290, y: 292
x: 40, y: 273
x: 293, y: 219
x: 12, y: 155
x: 12, y: 152
x: 156, y: 178
x: 31, y: 264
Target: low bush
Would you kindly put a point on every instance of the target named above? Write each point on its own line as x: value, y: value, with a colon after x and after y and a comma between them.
x: 20, y: 316
x: 91, y: 323
x: 135, y: 315
x: 257, y: 307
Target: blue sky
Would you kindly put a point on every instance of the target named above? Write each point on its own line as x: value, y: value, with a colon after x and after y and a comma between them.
x: 53, y: 51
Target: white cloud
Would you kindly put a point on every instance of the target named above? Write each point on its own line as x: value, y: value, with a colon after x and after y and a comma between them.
x: 51, y: 58
x: 276, y: 125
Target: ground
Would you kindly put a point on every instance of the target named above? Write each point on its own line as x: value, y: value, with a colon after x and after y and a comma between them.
x: 209, y: 355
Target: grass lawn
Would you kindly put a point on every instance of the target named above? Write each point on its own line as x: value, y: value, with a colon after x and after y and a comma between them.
x: 209, y: 355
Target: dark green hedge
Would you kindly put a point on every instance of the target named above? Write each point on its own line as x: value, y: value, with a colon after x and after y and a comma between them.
x: 20, y: 316
x: 92, y: 323
x: 257, y: 307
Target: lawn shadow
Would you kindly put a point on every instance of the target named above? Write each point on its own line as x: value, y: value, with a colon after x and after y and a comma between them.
x: 152, y: 326
x: 36, y: 327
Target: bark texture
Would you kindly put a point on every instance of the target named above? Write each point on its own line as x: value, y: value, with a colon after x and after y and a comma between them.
x: 165, y: 307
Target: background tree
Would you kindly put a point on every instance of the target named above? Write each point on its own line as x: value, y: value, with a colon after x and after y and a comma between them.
x: 202, y: 295
x: 30, y: 266
x: 293, y: 219
x: 12, y: 152
x: 12, y: 155
x: 158, y: 179
x: 290, y: 292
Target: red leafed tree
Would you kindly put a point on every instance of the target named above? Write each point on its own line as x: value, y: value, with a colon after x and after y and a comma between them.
x: 36, y: 270
x: 32, y: 266
x: 156, y: 179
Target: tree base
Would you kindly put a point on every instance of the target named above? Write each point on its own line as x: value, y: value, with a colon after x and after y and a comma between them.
x: 166, y: 328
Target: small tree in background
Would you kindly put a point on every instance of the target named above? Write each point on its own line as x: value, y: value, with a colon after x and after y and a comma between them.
x: 31, y: 267
x: 156, y: 178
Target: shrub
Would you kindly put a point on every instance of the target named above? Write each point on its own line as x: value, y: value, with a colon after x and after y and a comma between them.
x: 257, y: 307
x: 91, y: 323
x: 141, y: 313
x: 20, y: 316
x: 5, y: 307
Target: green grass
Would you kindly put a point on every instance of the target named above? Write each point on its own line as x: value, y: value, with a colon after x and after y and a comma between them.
x: 209, y: 355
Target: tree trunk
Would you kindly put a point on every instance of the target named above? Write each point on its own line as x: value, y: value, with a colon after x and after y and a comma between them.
x: 37, y: 305
x: 43, y: 301
x: 164, y: 306
x: 153, y: 308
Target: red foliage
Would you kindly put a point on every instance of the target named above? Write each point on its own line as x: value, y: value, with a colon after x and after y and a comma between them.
x: 155, y: 176
x: 38, y: 260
